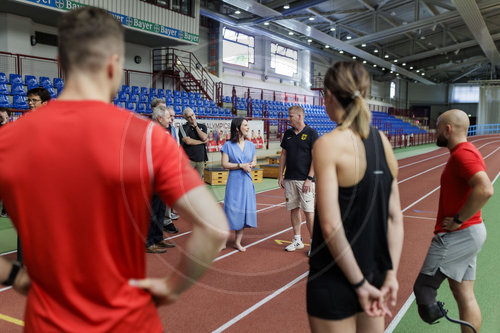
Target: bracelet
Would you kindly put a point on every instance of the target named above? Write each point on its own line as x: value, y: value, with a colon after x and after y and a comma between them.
x: 359, y: 284
x: 16, y: 266
x: 239, y: 167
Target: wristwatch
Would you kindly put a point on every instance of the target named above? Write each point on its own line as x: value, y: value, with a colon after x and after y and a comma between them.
x: 16, y: 266
x: 310, y: 178
x: 457, y: 220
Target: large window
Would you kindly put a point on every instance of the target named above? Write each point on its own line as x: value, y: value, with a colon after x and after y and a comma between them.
x: 180, y: 6
x: 464, y: 94
x: 237, y: 48
x: 284, y: 60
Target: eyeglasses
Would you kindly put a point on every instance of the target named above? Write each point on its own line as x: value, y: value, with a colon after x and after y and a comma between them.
x: 33, y: 100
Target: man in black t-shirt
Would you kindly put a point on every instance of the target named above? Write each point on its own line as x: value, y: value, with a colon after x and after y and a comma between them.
x: 193, y: 138
x: 298, y: 181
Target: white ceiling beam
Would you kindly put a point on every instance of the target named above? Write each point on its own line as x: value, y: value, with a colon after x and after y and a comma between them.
x: 474, y: 20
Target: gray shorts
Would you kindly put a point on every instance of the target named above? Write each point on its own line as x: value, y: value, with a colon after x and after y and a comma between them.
x: 454, y: 253
x: 296, y: 198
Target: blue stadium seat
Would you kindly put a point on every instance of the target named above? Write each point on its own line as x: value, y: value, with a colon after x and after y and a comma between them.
x: 32, y: 86
x: 130, y: 106
x: 58, y: 83
x: 199, y: 102
x: 4, y: 101
x: 122, y: 96
x: 140, y: 108
x: 125, y: 88
x: 3, y: 78
x: 45, y: 81
x: 52, y: 92
x: 17, y: 89
x: 15, y: 79
x: 160, y: 93
x: 197, y: 95
x: 177, y: 93
x: 177, y: 101
x: 19, y: 102
x: 133, y: 98
x: 3, y: 89
x: 135, y: 90
x: 148, y: 108
x: 191, y: 95
x: 177, y: 109
x: 227, y: 99
x: 143, y: 98
x: 168, y: 92
x: 152, y: 91
x: 169, y: 100
x: 184, y: 94
x: 30, y: 80
x: 144, y: 91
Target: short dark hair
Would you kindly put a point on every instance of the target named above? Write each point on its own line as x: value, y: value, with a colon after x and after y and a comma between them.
x: 87, y: 36
x: 236, y: 128
x: 4, y: 109
x: 41, y: 92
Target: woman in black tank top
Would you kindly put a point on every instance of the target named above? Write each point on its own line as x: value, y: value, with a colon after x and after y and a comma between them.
x: 358, y: 227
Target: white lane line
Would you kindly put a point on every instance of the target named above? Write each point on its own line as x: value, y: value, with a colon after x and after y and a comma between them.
x: 419, y: 217
x: 259, y: 304
x: 255, y: 243
x: 400, y: 314
x: 394, y: 323
x: 425, y: 159
x: 281, y: 204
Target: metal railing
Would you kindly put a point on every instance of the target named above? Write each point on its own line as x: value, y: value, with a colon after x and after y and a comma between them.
x: 483, y: 129
x: 187, y: 68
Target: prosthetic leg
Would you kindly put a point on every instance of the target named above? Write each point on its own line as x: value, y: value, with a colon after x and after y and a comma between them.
x: 429, y: 309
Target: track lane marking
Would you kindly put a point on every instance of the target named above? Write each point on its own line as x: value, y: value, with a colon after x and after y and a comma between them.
x: 11, y: 319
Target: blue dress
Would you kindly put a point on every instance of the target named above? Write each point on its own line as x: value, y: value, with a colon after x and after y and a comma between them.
x: 239, y: 202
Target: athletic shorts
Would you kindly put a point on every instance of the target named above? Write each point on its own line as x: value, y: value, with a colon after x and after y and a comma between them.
x: 454, y: 253
x: 296, y: 198
x: 330, y: 296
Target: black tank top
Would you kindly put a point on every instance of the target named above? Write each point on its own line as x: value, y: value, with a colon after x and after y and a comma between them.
x: 364, y: 210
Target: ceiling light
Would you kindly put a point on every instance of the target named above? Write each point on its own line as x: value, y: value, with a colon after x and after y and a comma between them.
x: 418, y: 70
x: 392, y: 72
x: 397, y: 74
x: 404, y: 64
x: 376, y: 51
x: 311, y: 18
x: 237, y: 12
x: 290, y: 33
x: 374, y: 65
x: 327, y: 46
x: 287, y: 6
x: 266, y: 23
x: 395, y: 60
x: 309, y: 40
x: 393, y: 13
x: 363, y: 45
x: 332, y: 29
x: 348, y: 37
x: 386, y: 56
x: 341, y: 52
x: 364, y: 61
x: 423, y: 74
x: 411, y: 67
x: 354, y: 57
x: 383, y: 68
x: 422, y: 37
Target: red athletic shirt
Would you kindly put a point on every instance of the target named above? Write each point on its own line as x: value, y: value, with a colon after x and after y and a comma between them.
x: 74, y: 177
x: 464, y: 162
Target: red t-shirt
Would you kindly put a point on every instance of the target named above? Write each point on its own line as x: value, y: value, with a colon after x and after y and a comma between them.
x: 464, y: 162
x: 76, y: 182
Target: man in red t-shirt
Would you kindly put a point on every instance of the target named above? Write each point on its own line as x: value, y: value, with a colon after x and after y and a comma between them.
x: 78, y: 191
x: 459, y: 230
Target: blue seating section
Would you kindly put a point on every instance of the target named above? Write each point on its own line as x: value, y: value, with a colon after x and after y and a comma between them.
x: 393, y: 125
x: 13, y: 88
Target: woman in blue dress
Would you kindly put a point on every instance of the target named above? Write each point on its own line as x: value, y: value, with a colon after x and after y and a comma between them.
x: 238, y: 156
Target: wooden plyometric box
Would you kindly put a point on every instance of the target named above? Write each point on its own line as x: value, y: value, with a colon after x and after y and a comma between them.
x: 270, y: 170
x: 257, y: 175
x: 215, y: 176
x: 273, y: 160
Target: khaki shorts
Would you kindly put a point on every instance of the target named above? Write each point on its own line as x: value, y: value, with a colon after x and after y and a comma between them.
x: 296, y: 198
x: 199, y: 166
x: 454, y: 253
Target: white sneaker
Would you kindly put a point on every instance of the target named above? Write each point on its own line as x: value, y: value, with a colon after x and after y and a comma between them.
x: 296, y: 245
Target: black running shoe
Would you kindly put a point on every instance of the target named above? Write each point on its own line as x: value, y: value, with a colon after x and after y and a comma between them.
x: 171, y: 228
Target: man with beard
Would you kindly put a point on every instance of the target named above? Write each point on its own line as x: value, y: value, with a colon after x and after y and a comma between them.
x: 459, y: 232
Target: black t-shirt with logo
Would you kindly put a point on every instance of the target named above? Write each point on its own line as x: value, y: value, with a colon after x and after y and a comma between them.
x: 298, y: 152
x: 196, y: 153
